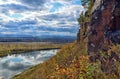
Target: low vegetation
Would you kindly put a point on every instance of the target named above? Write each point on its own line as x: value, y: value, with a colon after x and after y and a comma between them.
x: 10, y: 48
x: 71, y: 62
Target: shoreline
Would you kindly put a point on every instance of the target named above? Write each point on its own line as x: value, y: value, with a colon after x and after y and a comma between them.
x: 17, y: 48
x: 27, y: 51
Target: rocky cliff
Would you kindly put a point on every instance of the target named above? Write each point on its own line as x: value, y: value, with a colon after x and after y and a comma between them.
x: 104, y: 25
x: 104, y: 32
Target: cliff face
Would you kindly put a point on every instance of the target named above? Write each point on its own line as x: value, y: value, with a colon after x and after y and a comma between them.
x: 104, y: 32
x: 104, y: 26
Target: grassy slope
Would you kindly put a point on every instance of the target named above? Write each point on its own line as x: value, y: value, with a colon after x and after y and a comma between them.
x: 63, y: 59
x: 10, y: 48
x: 71, y: 62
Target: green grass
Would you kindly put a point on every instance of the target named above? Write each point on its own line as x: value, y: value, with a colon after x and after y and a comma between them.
x: 14, y: 48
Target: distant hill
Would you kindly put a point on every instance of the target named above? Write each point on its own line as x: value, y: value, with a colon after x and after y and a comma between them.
x: 55, y: 39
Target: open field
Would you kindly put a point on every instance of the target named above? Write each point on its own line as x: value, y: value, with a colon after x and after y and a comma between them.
x: 21, y: 47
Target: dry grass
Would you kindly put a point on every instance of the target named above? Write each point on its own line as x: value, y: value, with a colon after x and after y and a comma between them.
x: 71, y: 62
x: 10, y: 48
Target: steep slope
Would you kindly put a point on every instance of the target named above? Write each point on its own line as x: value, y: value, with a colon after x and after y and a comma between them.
x: 104, y: 26
x: 95, y: 54
x: 104, y: 33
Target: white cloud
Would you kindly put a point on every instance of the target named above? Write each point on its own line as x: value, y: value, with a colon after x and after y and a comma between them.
x: 9, y: 2
x: 63, y: 17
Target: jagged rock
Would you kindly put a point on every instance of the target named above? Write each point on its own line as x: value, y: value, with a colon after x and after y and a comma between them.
x: 104, y: 31
x: 83, y: 31
x: 96, y: 5
x: 114, y: 36
x: 104, y: 25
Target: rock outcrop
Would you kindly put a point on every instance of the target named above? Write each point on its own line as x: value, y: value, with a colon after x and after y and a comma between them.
x: 104, y: 26
x: 104, y: 32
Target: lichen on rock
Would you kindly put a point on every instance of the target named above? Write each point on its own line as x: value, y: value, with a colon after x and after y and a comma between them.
x: 105, y: 32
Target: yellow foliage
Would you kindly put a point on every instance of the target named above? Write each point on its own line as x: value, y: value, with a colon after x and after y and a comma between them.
x: 9, y: 48
x: 71, y: 62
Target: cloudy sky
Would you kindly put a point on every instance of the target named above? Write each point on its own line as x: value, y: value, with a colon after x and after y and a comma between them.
x: 39, y: 17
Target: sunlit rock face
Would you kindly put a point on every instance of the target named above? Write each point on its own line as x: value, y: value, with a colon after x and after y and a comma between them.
x: 104, y: 32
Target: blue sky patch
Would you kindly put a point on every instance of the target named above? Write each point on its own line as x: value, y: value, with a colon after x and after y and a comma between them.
x: 16, y: 16
x: 55, y: 7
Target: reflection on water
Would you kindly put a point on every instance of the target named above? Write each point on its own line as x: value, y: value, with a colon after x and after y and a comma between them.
x: 14, y: 64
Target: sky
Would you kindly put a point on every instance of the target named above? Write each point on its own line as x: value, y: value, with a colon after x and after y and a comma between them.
x: 39, y: 17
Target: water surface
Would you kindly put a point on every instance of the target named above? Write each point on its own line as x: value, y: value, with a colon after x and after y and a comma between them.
x: 14, y: 64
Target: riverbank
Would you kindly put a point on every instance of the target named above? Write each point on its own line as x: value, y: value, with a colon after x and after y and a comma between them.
x: 71, y: 62
x: 16, y: 63
x: 16, y: 48
x: 60, y: 66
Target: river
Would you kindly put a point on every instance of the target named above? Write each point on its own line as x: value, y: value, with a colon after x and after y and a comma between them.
x: 16, y: 63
